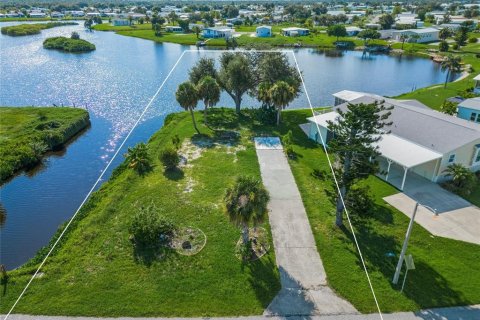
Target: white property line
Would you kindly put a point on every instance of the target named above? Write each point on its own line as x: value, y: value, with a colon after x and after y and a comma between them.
x: 136, y: 124
x: 338, y: 189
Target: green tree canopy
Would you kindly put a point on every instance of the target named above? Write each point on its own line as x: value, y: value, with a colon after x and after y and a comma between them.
x: 204, y: 67
x: 337, y: 30
x: 355, y: 132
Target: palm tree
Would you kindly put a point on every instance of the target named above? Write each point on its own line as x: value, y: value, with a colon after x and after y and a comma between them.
x: 187, y: 97
x: 130, y: 20
x: 147, y: 19
x: 263, y: 94
x: 246, y: 204
x: 452, y: 64
x: 444, y: 33
x: 138, y: 158
x: 281, y: 94
x: 196, y: 29
x: 403, y: 38
x: 461, y: 176
x: 208, y: 91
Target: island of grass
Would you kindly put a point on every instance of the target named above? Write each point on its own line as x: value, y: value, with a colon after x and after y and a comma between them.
x: 28, y: 132
x: 97, y: 258
x: 68, y: 44
x: 29, y: 29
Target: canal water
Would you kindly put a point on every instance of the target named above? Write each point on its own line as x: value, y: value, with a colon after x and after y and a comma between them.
x: 115, y: 83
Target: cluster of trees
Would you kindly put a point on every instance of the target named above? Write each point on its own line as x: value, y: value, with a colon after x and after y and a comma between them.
x: 267, y: 76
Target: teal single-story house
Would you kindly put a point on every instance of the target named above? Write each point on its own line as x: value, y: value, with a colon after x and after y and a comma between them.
x: 469, y: 109
x: 422, y: 142
x: 264, y: 31
x: 218, y: 32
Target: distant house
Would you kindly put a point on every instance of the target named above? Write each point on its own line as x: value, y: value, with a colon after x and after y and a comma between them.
x: 191, y: 26
x: 56, y: 15
x: 37, y: 14
x: 176, y: 29
x: 120, y: 22
x: 476, y: 88
x: 353, y: 31
x: 374, y: 26
x: 218, y: 32
x: 424, y: 35
x: 418, y: 143
x: 294, y: 32
x: 469, y: 109
x: 264, y: 31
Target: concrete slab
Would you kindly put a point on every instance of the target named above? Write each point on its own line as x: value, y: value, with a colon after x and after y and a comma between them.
x: 304, y: 285
x: 268, y: 143
x: 460, y: 224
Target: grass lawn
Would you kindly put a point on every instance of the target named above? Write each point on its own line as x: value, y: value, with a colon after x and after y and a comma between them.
x: 20, y: 127
x: 96, y: 272
x: 97, y: 258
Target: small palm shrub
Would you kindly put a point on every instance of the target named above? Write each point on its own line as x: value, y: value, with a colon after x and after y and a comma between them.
x: 138, y: 158
x: 169, y: 158
x: 462, y: 179
x: 150, y: 228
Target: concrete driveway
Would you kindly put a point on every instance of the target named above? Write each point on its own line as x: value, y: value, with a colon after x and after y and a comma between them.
x: 304, y: 285
x: 456, y: 218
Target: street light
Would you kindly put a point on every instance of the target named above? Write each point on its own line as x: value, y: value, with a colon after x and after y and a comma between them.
x: 405, y: 242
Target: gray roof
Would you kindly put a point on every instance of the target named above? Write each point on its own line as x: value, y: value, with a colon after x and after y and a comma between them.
x: 473, y: 103
x: 429, y: 128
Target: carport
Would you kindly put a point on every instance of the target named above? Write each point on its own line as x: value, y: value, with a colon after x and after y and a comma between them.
x: 406, y: 154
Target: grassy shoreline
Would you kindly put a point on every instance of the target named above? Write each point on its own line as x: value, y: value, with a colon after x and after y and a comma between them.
x: 214, y: 283
x: 30, y: 29
x: 28, y: 132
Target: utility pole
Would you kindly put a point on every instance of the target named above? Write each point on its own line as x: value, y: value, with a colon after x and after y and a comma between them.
x: 405, y: 244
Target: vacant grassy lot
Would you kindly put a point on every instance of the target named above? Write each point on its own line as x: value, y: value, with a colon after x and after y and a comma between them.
x: 23, y: 129
x: 97, y: 272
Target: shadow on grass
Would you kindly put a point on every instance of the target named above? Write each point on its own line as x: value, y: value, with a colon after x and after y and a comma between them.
x: 263, y: 279
x: 424, y: 285
x: 174, y: 174
x: 148, y: 255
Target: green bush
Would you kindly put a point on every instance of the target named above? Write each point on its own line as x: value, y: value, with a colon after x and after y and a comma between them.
x: 455, y: 46
x: 138, y: 158
x: 472, y: 40
x: 169, y: 158
x: 150, y: 228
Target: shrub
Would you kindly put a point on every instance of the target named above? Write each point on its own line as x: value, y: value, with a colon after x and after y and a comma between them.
x: 472, y: 40
x: 449, y: 107
x: 149, y: 227
x: 359, y: 201
x: 75, y: 35
x: 455, y: 46
x: 169, y: 158
x: 443, y: 46
x: 138, y: 158
x: 462, y: 179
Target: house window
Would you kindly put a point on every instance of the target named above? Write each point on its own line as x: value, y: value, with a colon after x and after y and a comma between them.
x: 477, y: 157
x: 473, y: 117
x: 451, y: 159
